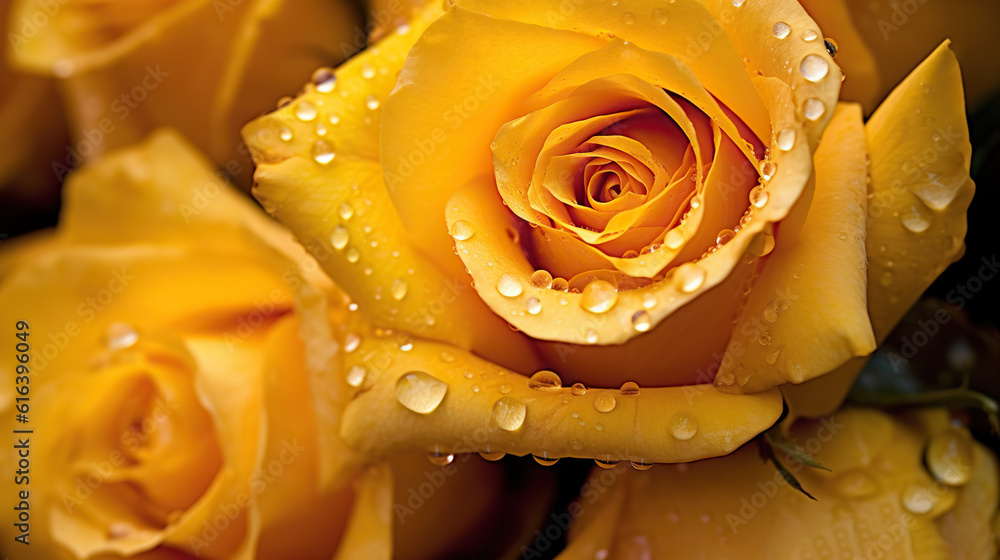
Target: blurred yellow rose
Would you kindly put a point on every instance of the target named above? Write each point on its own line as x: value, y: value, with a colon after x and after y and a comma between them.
x: 185, y: 382
x: 879, y: 41
x: 666, y: 202
x: 911, y: 485
x: 204, y: 67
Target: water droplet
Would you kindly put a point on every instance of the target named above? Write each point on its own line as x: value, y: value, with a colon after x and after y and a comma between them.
x: 541, y: 279
x: 628, y: 18
x: 640, y: 465
x: 604, y: 402
x: 324, y: 79
x: 305, y: 111
x: 915, y: 221
x: 689, y: 277
x: 398, y: 289
x: 578, y: 389
x: 345, y: 211
x: 648, y: 300
x: 674, y: 238
x: 561, y: 285
x: 339, y: 237
x: 809, y: 35
x: 590, y: 336
x: 406, y: 346
x: 695, y: 201
x: 765, y: 338
x: 322, y: 152
x: 599, y: 296
x: 356, y: 376
x: 781, y: 30
x: 121, y: 336
x: 814, y: 67
x: 786, y: 139
x: 886, y: 278
x: 605, y: 461
x: 725, y: 236
x: 285, y: 133
x: 494, y: 456
x: 440, y: 459
x: 737, y: 3
x: 831, y: 47
x: 351, y: 342
x: 772, y: 355
x: 533, y: 305
x: 461, y: 230
x: 544, y: 459
x: 508, y: 413
x: 120, y: 530
x: 420, y: 391
x: 661, y: 16
x: 372, y: 102
x: 813, y: 108
x: 758, y: 197
x: 641, y: 321
x: 508, y: 286
x: 918, y: 498
x: 544, y: 379
x: 367, y: 71
x: 629, y: 389
x: 505, y: 389
x: 949, y: 457
x: 683, y: 426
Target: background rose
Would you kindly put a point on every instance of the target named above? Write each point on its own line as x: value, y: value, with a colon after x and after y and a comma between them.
x: 905, y: 485
x: 619, y: 310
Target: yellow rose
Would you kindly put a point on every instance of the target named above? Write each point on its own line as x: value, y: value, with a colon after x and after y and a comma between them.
x: 881, y: 40
x: 666, y: 202
x: 906, y: 486
x: 202, y: 66
x: 184, y: 384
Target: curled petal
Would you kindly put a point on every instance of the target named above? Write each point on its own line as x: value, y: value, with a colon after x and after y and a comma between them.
x: 800, y: 321
x: 433, y: 397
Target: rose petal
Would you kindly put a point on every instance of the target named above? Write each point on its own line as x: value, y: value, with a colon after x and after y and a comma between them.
x: 339, y: 209
x: 664, y: 425
x: 801, y: 321
x: 919, y: 171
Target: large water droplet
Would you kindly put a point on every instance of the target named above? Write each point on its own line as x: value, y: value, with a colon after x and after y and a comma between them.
x: 949, y: 457
x: 509, y: 413
x: 831, y: 47
x: 440, y: 459
x: 461, y: 230
x: 420, y: 391
x: 641, y: 321
x: 578, y: 389
x: 322, y: 152
x: 544, y: 460
x: 508, y: 285
x: 683, y: 426
x: 914, y: 220
x: 814, y: 67
x: 758, y: 197
x: 674, y: 238
x: 809, y: 35
x: 604, y: 402
x: 398, y: 289
x: 918, y: 498
x: 629, y: 389
x: 345, y: 211
x: 356, y: 376
x: 544, y: 379
x: 786, y: 139
x: 339, y: 237
x: 533, y: 305
x: 689, y: 277
x: 324, y: 79
x: 781, y: 30
x: 541, y: 279
x: 813, y: 108
x: 767, y: 169
x: 599, y: 296
x: 372, y: 102
x: 725, y: 236
x: 305, y: 111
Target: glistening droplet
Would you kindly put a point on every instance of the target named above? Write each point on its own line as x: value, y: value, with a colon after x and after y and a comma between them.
x: 604, y: 402
x: 599, y: 296
x: 420, y: 391
x: 508, y: 285
x: 545, y: 379
x: 509, y: 413
x: 461, y: 230
x: 683, y: 426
